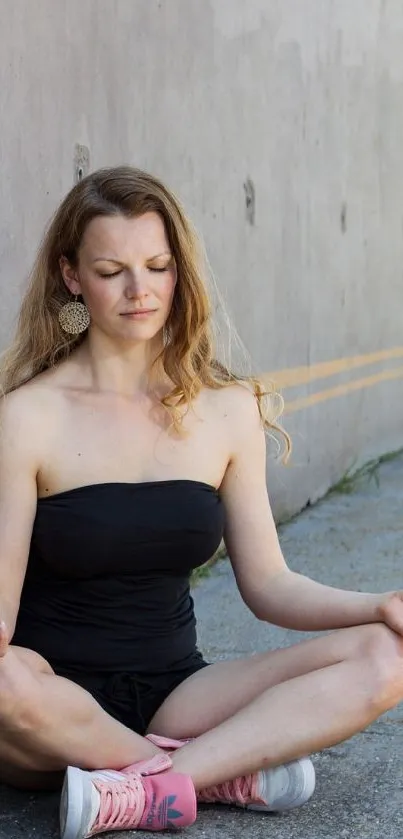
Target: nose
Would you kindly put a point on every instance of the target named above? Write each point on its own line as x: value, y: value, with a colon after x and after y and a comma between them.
x: 136, y: 284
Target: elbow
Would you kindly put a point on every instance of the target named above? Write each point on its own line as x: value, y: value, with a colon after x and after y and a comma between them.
x: 266, y: 616
x: 260, y: 610
x: 264, y: 599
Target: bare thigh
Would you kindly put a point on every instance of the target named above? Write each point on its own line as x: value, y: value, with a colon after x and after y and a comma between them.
x: 217, y: 692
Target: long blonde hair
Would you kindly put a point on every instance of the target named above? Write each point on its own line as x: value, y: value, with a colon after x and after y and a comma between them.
x: 189, y: 357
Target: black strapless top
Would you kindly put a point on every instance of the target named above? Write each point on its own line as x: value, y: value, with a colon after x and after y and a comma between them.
x: 107, y: 582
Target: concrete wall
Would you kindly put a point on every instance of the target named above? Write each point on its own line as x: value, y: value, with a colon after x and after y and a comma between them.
x: 297, y: 104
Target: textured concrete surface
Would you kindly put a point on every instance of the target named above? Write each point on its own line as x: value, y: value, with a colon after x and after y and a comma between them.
x: 349, y: 541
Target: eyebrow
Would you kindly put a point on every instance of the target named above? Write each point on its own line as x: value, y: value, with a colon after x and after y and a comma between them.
x: 119, y: 262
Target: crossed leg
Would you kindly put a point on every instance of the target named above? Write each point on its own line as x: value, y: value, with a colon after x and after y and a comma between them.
x: 245, y: 715
x: 48, y: 722
x: 278, y: 706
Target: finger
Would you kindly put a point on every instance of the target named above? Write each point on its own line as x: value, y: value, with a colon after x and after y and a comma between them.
x: 3, y: 639
x: 396, y: 624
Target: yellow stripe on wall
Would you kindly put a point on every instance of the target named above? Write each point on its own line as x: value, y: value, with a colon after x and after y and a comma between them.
x: 290, y: 377
x: 341, y: 390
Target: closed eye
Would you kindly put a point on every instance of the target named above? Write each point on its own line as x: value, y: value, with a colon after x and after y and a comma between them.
x: 150, y: 268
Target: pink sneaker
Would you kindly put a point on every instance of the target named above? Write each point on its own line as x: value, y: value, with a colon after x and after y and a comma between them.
x: 167, y: 743
x: 147, y: 797
x: 274, y: 789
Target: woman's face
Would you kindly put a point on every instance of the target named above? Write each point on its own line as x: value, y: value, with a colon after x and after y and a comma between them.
x: 126, y: 274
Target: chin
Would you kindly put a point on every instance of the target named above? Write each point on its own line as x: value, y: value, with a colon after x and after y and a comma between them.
x: 142, y: 332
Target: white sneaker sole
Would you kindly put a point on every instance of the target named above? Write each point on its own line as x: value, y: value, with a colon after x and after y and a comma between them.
x: 279, y: 799
x: 75, y: 804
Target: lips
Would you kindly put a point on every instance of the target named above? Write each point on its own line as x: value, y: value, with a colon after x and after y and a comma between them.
x: 139, y: 312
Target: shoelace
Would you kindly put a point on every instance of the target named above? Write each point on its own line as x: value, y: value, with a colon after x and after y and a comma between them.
x: 240, y: 791
x: 122, y: 803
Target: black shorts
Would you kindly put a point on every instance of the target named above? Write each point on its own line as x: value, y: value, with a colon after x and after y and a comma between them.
x: 132, y: 698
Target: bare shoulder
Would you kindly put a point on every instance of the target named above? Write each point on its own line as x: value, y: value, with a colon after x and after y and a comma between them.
x: 26, y: 415
x: 235, y: 397
x: 235, y: 406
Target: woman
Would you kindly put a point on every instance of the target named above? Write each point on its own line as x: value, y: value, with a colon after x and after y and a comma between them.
x: 127, y: 451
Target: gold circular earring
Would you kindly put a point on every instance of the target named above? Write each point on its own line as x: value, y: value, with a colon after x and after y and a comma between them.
x: 74, y: 317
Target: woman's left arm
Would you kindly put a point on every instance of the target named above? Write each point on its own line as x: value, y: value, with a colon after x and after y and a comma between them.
x: 269, y: 588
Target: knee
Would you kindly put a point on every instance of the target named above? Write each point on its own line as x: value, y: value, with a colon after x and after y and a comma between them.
x: 381, y: 650
x: 18, y: 707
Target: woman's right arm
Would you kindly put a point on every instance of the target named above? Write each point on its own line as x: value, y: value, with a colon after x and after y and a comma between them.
x: 18, y: 499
